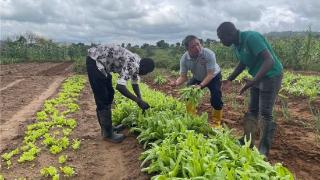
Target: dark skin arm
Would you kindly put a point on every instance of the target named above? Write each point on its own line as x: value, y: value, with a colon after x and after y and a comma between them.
x: 226, y: 84
x: 267, y: 64
x: 124, y: 91
x: 238, y: 70
x: 136, y: 90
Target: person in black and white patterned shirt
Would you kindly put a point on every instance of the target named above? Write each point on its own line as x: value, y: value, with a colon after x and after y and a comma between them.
x: 101, y: 61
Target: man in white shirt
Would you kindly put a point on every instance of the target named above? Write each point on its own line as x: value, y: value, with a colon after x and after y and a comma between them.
x: 205, y: 73
x: 101, y: 61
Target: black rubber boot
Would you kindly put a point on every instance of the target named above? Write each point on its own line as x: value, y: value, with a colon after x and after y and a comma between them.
x: 119, y: 127
x: 102, y: 129
x: 250, y: 123
x: 106, y: 127
x: 267, y: 133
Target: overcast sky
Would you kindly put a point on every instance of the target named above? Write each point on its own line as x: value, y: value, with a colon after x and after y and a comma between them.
x: 139, y: 21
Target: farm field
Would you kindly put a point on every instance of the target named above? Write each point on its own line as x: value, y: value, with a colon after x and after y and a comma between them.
x: 26, y: 86
x: 296, y: 142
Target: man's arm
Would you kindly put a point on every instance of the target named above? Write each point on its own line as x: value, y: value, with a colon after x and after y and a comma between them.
x: 265, y: 67
x: 259, y: 48
x: 210, y: 65
x: 226, y: 84
x: 124, y: 91
x: 267, y: 64
x: 207, y: 79
x: 182, y: 78
x: 183, y: 72
x: 136, y: 90
x: 238, y: 70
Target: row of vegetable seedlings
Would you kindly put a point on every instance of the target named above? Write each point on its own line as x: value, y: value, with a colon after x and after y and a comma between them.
x: 50, y: 132
x: 182, y: 146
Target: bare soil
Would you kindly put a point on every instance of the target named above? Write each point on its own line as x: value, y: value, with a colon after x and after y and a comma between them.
x: 24, y: 88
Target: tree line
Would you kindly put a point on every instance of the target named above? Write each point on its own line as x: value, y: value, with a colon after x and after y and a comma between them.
x: 298, y: 53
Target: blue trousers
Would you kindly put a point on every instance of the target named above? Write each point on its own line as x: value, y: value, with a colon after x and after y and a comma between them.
x: 215, y: 90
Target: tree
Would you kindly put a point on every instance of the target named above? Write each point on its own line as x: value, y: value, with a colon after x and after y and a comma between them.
x: 145, y: 45
x: 21, y: 40
x: 162, y: 44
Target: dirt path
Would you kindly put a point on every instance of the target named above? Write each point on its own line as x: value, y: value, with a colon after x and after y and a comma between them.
x: 9, y: 129
x: 98, y: 159
x: 11, y: 84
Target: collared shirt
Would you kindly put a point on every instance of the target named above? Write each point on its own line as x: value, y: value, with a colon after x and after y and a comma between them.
x: 251, y: 43
x: 113, y: 58
x: 200, y: 65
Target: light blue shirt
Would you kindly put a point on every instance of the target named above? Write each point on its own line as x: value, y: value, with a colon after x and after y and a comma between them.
x: 200, y: 65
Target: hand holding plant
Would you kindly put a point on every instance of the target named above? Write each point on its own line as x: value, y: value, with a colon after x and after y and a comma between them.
x: 191, y: 94
x: 248, y: 84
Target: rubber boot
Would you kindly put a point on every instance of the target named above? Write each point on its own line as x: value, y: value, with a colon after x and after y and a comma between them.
x: 191, y: 108
x: 216, y: 118
x: 102, y: 129
x: 250, y: 124
x: 267, y: 133
x: 117, y: 128
x: 106, y: 127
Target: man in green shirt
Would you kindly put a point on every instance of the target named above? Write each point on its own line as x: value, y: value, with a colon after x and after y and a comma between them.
x: 254, y: 52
